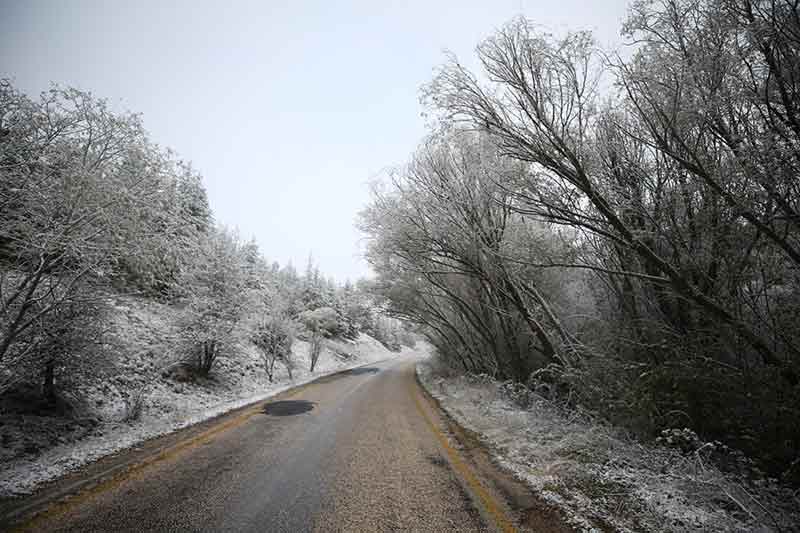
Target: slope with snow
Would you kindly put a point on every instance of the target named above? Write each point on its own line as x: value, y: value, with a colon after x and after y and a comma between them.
x: 37, y: 447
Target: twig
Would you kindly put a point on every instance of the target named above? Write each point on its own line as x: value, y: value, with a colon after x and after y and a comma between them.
x: 763, y: 508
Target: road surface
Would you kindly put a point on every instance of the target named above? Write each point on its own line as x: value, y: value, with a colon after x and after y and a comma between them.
x: 362, y: 450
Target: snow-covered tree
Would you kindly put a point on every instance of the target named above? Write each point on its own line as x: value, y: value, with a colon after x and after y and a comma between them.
x: 320, y: 324
x: 218, y: 288
x: 274, y: 337
x: 70, y: 182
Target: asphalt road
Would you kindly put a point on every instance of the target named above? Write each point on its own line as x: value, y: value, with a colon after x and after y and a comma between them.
x: 359, y: 451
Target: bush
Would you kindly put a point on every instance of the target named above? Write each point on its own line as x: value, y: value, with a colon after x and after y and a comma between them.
x: 61, y: 343
x: 134, y: 406
x: 320, y: 324
x: 217, y: 299
x: 274, y: 337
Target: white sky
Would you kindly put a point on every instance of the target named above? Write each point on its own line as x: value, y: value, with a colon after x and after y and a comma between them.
x: 287, y: 108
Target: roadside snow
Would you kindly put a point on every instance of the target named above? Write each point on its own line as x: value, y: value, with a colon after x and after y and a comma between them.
x: 598, y: 477
x: 169, y: 405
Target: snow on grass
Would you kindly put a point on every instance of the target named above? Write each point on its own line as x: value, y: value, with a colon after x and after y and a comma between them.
x: 600, y: 478
x: 36, y: 448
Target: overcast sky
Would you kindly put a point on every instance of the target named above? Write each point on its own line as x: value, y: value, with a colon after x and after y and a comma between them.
x: 288, y: 109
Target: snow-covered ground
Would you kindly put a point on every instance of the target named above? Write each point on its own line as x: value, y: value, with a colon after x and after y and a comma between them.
x: 597, y: 476
x: 38, y: 447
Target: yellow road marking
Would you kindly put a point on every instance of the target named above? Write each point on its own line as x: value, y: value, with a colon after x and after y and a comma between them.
x: 489, y: 503
x: 62, y: 506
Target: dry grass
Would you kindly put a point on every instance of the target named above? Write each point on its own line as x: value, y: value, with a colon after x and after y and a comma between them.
x: 602, y: 478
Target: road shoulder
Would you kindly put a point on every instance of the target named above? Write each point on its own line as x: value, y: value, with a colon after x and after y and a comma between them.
x: 505, y: 502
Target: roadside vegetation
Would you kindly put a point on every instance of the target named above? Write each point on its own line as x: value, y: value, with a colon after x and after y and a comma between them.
x: 596, y: 476
x: 618, y: 235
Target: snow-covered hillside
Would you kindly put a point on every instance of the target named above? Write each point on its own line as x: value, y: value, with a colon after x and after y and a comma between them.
x: 37, y: 446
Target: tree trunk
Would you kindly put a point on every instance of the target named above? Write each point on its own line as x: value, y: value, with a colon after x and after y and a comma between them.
x: 49, y: 382
x: 315, y: 349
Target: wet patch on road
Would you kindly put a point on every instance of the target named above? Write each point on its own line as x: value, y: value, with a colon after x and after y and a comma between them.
x: 436, y: 460
x: 288, y: 407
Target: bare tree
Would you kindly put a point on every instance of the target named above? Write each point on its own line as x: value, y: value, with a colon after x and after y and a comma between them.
x: 543, y: 110
x: 445, y: 222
